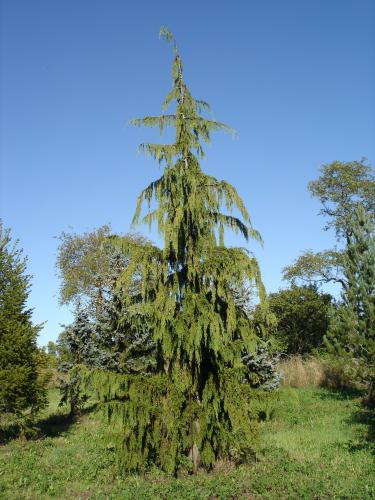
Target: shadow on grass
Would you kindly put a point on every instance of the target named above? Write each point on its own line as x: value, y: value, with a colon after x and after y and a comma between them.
x: 363, y: 416
x: 59, y: 423
x: 366, y: 417
x: 341, y: 394
x: 54, y: 425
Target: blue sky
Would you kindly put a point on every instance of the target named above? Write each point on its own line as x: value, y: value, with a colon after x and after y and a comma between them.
x: 295, y: 78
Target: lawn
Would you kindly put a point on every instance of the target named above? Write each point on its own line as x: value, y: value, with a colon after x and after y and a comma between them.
x: 316, y: 444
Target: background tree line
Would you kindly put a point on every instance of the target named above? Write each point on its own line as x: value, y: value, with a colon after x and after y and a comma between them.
x: 303, y: 320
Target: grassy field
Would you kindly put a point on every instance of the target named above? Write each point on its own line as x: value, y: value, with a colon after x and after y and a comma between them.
x: 316, y: 444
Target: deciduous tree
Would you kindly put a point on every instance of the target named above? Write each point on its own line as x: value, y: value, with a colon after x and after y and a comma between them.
x: 302, y: 315
x: 341, y: 188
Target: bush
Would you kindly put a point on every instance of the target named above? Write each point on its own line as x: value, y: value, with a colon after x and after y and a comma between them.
x: 340, y: 374
x: 302, y: 315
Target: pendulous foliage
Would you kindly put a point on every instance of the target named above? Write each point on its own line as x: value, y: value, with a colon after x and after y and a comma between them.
x: 198, y: 404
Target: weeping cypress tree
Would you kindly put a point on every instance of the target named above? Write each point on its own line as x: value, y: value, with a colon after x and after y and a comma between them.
x: 199, y: 403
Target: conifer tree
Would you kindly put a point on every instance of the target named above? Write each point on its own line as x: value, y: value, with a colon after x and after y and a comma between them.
x: 352, y: 332
x: 76, y: 345
x: 197, y: 403
x: 123, y: 333
x: 21, y: 387
x: 80, y: 344
x: 196, y: 272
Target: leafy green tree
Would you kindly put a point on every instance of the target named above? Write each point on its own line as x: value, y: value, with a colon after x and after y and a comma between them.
x: 352, y: 332
x: 317, y: 268
x: 302, y: 315
x: 89, y: 267
x: 52, y: 349
x: 22, y: 390
x: 341, y: 188
x: 191, y: 405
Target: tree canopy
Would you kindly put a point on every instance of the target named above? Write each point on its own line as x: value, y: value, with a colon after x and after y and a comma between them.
x: 302, y: 315
x: 341, y: 188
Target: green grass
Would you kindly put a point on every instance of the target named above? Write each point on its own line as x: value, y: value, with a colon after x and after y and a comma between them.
x: 317, y: 444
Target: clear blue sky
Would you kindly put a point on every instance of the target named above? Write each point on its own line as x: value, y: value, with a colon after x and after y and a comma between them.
x: 295, y: 78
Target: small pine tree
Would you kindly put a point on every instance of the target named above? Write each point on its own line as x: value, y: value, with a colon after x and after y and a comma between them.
x: 262, y: 371
x: 22, y: 390
x: 78, y: 345
x: 123, y: 332
x: 352, y: 332
x: 122, y: 329
x: 89, y: 266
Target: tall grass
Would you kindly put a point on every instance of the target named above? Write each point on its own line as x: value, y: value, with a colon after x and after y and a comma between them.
x: 299, y: 372
x: 318, y: 372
